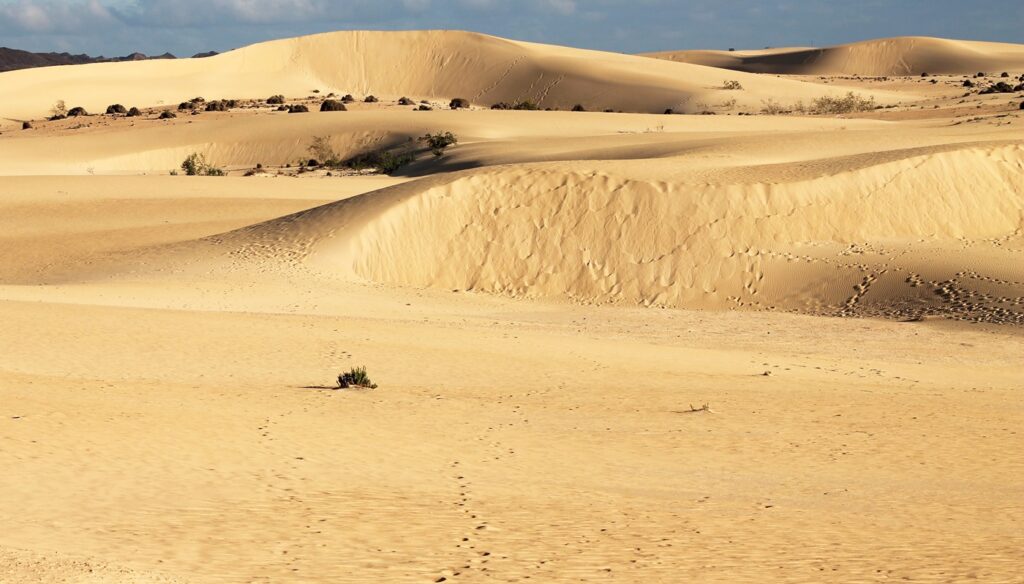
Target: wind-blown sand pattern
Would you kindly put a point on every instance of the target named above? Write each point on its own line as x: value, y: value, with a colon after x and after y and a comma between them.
x: 547, y: 307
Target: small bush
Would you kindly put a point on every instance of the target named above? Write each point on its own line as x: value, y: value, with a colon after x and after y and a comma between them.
x: 1004, y: 74
x: 771, y: 107
x: 1022, y: 105
x: 355, y: 377
x: 578, y: 108
x: 849, y: 103
x: 370, y: 99
x: 1001, y: 87
x: 76, y: 112
x: 59, y: 110
x: 526, y: 105
x: 348, y: 98
x: 322, y: 150
x: 26, y: 125
x: 116, y: 109
x: 282, y: 108
x: 167, y: 115
x: 384, y: 161
x: 459, y: 103
x: 275, y: 100
x: 424, y: 108
x: 501, y: 105
x: 134, y: 113
x: 405, y: 101
x: 196, y: 165
x: 332, y: 105
x: 222, y: 105
x: 185, y: 106
x: 298, y: 109
x: 438, y: 142
x: 732, y: 85
x: 968, y: 83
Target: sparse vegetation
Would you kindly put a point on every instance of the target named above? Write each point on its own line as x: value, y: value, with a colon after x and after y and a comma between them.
x: 405, y: 101
x: 1001, y: 87
x: 348, y: 98
x: 849, y: 103
x: 732, y: 85
x: 332, y: 105
x: 221, y: 105
x: 370, y: 99
x: 355, y: 377
x: 424, y: 108
x: 771, y: 107
x: 385, y: 161
x: 196, y: 165
x: 116, y: 109
x: 77, y: 111
x: 59, y: 111
x: 438, y: 142
x: 298, y: 109
x: 322, y: 150
x: 167, y: 115
x: 579, y: 108
x: 26, y: 125
x: 459, y: 103
x: 275, y: 100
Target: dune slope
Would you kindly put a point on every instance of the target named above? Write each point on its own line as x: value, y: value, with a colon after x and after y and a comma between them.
x: 437, y: 64
x: 891, y: 56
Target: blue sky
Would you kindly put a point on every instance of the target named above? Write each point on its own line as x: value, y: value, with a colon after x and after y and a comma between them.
x: 184, y: 27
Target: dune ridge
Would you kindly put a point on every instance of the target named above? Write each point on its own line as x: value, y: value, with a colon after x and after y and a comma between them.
x: 435, y: 64
x: 889, y: 56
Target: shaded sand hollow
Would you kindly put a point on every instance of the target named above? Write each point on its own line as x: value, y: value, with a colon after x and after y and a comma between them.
x: 547, y: 307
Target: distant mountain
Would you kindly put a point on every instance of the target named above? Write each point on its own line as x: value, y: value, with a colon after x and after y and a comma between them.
x: 12, y: 59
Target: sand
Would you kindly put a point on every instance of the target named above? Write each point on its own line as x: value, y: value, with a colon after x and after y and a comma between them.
x: 547, y: 308
x: 880, y: 57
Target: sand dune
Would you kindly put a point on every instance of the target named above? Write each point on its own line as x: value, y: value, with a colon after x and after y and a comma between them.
x: 434, y: 64
x: 546, y: 305
x: 891, y: 56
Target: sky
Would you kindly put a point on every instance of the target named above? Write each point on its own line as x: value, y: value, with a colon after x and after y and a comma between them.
x: 186, y: 27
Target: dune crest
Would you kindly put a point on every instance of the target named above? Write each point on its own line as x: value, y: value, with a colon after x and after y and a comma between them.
x: 890, y: 56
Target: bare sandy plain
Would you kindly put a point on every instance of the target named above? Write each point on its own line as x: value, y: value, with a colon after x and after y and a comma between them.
x: 543, y: 306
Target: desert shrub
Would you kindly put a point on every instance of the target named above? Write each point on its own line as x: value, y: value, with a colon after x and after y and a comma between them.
x: 526, y: 105
x: 322, y: 150
x: 424, y: 108
x: 1022, y: 105
x: 59, y: 110
x: 275, y: 100
x: 849, y: 103
x: 370, y: 99
x: 384, y: 161
x: 669, y: 111
x: 26, y: 125
x: 221, y: 105
x: 282, y: 108
x: 968, y: 83
x: 578, y: 108
x: 405, y: 101
x: 298, y: 109
x: 732, y: 84
x: 196, y: 165
x: 116, y: 109
x: 771, y: 107
x: 77, y: 111
x: 1001, y: 87
x: 185, y: 106
x: 438, y: 142
x: 347, y: 98
x: 502, y: 105
x: 167, y: 114
x: 355, y: 377
x: 980, y: 74
x: 1004, y: 74
x: 134, y: 113
x: 459, y: 103
x: 332, y: 105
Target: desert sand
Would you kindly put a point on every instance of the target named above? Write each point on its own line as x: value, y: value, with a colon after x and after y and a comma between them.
x: 610, y: 347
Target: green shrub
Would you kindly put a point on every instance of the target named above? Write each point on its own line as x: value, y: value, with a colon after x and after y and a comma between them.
x: 355, y: 377
x: 849, y: 103
x: 332, y: 105
x: 196, y: 165
x: 438, y: 142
